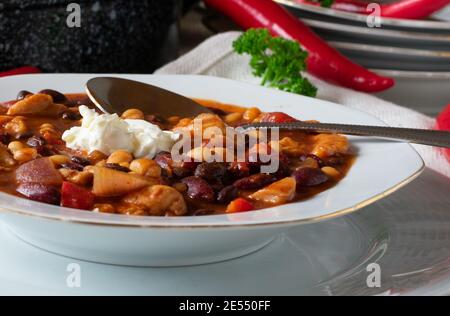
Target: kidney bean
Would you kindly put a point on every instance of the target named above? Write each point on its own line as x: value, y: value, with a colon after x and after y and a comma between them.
x: 40, y: 193
x: 227, y: 194
x: 58, y: 97
x: 309, y: 177
x: 199, y: 189
x: 80, y: 160
x: 44, y: 151
x: 23, y: 94
x: 334, y: 161
x: 238, y: 170
x: 72, y: 166
x: 24, y: 135
x: 164, y: 160
x: 36, y: 141
x: 170, y: 167
x: 214, y: 171
x: 255, y: 181
x: 116, y: 167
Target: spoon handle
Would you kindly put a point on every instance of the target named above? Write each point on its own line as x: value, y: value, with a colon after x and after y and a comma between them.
x: 411, y: 135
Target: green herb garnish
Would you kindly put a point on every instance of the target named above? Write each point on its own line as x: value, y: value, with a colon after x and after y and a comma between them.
x: 324, y: 3
x: 277, y: 60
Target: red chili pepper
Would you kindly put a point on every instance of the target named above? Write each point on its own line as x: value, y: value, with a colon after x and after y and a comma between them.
x: 412, y: 9
x: 354, y: 6
x: 406, y: 9
x: 443, y: 124
x: 20, y: 71
x: 323, y: 60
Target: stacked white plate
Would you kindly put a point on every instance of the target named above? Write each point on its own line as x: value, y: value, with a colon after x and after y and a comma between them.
x: 416, y: 53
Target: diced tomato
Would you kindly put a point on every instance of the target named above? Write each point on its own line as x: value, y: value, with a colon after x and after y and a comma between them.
x: 443, y: 124
x: 277, y: 117
x: 77, y: 197
x: 240, y: 205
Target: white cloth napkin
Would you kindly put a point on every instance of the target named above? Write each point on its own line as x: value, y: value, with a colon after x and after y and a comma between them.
x: 215, y: 57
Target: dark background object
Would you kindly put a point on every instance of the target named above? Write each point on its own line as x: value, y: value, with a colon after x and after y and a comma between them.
x: 116, y: 36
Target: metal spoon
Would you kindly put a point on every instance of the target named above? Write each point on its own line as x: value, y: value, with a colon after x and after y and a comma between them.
x: 411, y: 135
x: 116, y: 95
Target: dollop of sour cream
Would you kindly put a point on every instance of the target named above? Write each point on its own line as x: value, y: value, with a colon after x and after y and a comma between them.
x: 108, y: 133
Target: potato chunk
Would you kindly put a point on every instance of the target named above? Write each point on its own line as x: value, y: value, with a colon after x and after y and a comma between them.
x: 158, y: 200
x: 111, y: 183
x: 277, y: 193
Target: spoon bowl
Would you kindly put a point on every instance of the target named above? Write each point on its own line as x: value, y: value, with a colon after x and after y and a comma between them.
x: 116, y: 95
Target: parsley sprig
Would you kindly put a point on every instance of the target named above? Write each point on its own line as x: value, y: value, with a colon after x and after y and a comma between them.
x: 324, y: 3
x: 277, y: 60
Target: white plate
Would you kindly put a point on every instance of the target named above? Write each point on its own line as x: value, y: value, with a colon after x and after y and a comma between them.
x: 407, y: 234
x: 379, y: 36
x: 382, y: 167
x: 316, y: 12
x: 383, y: 57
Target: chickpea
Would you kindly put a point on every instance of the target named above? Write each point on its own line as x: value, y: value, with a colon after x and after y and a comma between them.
x: 15, y: 146
x: 5, y: 119
x: 96, y: 156
x: 120, y: 156
x: 6, y: 160
x: 251, y: 114
x: 59, y: 160
x: 331, y: 172
x: 16, y: 126
x: 49, y: 132
x: 89, y: 169
x: 65, y: 173
x: 310, y: 163
x: 105, y: 208
x: 25, y: 154
x: 133, y: 114
x: 146, y: 167
x: 83, y: 178
x: 174, y: 120
x: 48, y: 128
